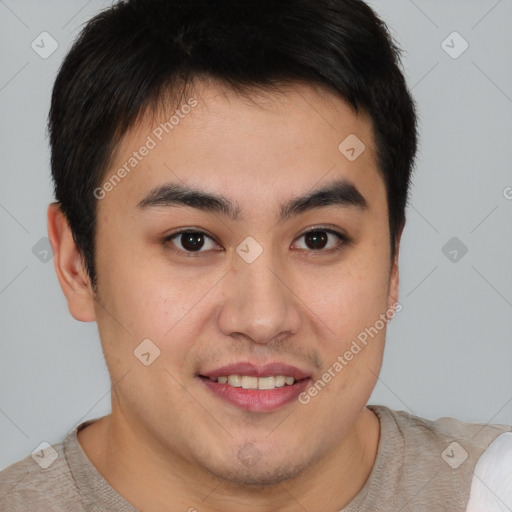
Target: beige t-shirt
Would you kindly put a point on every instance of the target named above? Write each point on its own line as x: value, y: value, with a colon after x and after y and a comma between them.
x: 421, y: 465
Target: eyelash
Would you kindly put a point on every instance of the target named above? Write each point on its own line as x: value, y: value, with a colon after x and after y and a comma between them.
x: 342, y: 242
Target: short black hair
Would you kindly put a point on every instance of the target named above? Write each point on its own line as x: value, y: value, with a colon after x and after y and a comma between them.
x: 139, y: 54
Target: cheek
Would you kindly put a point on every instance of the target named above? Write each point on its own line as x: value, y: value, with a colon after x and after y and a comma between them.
x: 349, y: 298
x: 135, y: 303
x: 350, y: 305
x: 156, y: 299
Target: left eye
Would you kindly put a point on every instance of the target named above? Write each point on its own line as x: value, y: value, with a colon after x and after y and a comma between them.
x: 321, y: 239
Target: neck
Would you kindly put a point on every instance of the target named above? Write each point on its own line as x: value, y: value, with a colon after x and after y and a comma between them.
x: 135, y: 467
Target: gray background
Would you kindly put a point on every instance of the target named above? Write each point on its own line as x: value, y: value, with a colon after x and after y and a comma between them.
x: 449, y: 351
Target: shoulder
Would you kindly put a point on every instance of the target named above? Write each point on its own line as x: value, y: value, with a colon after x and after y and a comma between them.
x: 438, y: 462
x: 41, y: 481
x: 475, y: 436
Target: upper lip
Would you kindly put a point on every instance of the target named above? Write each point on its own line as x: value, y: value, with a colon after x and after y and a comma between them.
x: 252, y: 370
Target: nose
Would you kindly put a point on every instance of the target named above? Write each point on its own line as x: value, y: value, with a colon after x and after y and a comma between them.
x: 259, y: 302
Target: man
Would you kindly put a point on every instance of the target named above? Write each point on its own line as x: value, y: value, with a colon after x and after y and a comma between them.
x: 231, y: 180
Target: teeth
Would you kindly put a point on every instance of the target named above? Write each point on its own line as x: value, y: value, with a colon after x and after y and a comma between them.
x: 280, y: 381
x: 266, y: 383
x: 249, y: 382
x: 235, y: 381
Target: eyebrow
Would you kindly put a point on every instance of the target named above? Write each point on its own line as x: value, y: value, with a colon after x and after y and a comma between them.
x: 340, y: 193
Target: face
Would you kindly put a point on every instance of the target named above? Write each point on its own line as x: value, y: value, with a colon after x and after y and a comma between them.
x: 216, y: 247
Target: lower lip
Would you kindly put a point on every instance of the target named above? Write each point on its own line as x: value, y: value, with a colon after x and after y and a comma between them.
x: 257, y: 400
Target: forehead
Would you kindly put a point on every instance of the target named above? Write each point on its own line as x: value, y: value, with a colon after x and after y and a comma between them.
x: 255, y: 147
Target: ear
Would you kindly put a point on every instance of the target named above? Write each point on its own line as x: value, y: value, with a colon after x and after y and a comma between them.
x: 394, y: 278
x: 69, y: 266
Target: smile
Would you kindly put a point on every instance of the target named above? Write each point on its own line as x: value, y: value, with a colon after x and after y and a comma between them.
x: 250, y: 382
x: 256, y: 388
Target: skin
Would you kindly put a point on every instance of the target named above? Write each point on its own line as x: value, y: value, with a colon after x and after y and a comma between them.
x: 170, y: 444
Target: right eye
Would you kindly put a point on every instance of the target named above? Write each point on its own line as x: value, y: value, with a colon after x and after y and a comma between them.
x: 190, y: 241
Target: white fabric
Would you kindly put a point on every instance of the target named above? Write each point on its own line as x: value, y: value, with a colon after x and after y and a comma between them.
x: 491, y: 487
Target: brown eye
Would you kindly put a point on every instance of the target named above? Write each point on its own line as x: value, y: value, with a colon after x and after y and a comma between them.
x: 191, y: 241
x: 316, y: 239
x: 322, y: 240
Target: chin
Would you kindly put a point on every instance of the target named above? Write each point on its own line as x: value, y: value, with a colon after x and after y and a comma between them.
x: 261, y: 474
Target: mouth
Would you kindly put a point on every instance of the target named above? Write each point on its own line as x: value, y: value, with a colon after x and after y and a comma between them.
x: 256, y: 388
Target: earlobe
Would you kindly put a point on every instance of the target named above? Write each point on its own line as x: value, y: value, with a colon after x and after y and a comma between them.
x: 394, y: 282
x: 69, y: 266
x: 394, y: 276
